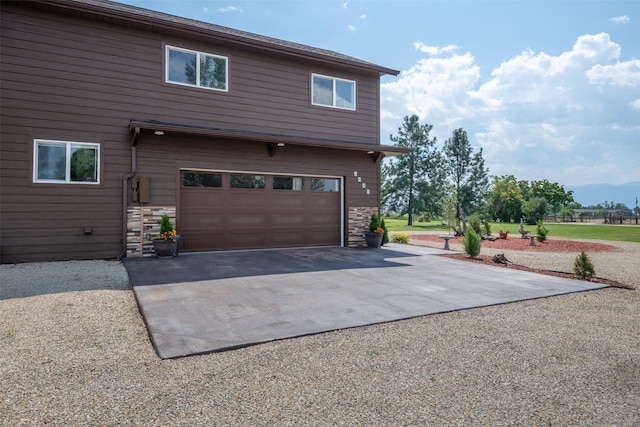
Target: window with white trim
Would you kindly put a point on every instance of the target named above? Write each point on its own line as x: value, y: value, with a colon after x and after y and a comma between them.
x: 198, y: 69
x: 66, y: 162
x: 333, y: 92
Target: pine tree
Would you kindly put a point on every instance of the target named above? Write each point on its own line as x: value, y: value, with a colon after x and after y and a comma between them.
x: 412, y: 183
x: 472, y: 243
x: 466, y: 171
x: 583, y: 267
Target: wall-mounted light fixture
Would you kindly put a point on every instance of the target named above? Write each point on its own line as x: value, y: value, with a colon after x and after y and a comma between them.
x: 280, y: 144
x: 159, y: 132
x: 375, y: 155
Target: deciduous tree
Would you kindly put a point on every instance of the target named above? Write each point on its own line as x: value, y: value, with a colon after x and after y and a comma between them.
x: 553, y: 192
x: 505, y: 198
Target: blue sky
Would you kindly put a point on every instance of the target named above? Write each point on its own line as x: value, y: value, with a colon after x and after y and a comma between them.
x: 549, y: 89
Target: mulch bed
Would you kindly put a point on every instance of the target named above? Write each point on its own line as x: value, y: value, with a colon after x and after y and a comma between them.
x: 519, y: 244
x: 484, y: 259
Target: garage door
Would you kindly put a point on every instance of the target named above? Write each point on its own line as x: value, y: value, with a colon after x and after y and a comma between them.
x: 225, y: 211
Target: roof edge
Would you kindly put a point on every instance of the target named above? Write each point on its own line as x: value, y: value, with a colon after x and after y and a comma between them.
x: 160, y: 21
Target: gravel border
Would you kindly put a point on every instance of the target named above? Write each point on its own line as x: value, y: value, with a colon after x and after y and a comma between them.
x: 38, y: 278
x: 84, y: 358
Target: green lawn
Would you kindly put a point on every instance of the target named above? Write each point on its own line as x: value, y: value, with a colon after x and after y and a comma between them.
x: 622, y: 233
x: 400, y: 224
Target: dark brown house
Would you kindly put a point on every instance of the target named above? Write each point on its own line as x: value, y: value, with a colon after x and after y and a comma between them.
x: 112, y: 115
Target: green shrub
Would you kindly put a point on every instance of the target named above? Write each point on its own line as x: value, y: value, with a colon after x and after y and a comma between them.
x: 487, y: 228
x: 374, y: 223
x: 165, y: 225
x: 472, y: 243
x: 534, y: 210
x: 541, y: 231
x: 583, y: 267
x: 475, y: 223
x: 385, y: 236
x: 400, y: 238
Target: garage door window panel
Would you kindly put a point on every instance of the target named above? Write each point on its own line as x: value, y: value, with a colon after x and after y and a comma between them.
x: 254, y: 182
x: 288, y: 183
x: 325, y: 184
x: 201, y: 179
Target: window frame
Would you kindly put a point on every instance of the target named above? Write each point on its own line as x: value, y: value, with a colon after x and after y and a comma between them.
x: 323, y: 190
x: 334, y: 81
x: 168, y: 48
x: 68, y: 155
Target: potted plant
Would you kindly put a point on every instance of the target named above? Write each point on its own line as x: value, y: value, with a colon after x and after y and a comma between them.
x: 167, y: 244
x: 375, y: 234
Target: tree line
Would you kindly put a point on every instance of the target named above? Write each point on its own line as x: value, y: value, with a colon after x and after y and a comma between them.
x: 453, y: 182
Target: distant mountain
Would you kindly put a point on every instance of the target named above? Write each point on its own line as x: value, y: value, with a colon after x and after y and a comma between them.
x: 588, y: 195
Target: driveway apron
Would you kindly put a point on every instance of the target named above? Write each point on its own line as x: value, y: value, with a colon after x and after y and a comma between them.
x: 206, y: 302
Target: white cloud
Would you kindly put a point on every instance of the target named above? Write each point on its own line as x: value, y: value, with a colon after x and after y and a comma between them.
x: 352, y: 28
x: 537, y: 116
x: 229, y: 9
x: 624, y: 19
x: 363, y: 16
x: 434, y: 50
x: 345, y: 4
x: 618, y: 74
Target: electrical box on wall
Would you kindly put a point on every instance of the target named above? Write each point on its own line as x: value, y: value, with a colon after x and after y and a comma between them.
x: 140, y: 187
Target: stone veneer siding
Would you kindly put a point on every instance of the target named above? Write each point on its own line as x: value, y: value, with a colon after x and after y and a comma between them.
x: 359, y: 224
x: 143, y: 225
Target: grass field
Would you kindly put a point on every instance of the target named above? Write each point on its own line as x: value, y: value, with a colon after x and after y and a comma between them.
x: 622, y: 233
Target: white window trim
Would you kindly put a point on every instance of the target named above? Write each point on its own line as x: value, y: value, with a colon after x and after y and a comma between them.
x: 335, y: 97
x: 197, y: 53
x: 67, y: 144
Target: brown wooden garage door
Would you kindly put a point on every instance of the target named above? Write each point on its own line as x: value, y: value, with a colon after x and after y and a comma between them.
x: 225, y: 211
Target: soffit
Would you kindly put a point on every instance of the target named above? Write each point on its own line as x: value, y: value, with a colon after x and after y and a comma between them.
x: 149, y: 126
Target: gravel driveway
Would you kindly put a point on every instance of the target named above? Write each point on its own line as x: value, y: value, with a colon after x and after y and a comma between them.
x: 84, y: 358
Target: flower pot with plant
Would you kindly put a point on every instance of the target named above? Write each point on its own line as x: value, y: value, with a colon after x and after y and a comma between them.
x: 375, y: 234
x: 166, y: 245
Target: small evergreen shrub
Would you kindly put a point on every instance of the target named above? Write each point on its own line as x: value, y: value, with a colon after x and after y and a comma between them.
x: 385, y: 236
x: 374, y: 223
x: 165, y: 224
x: 400, y: 238
x: 487, y: 228
x: 472, y: 243
x: 541, y: 231
x: 475, y: 223
x: 583, y: 267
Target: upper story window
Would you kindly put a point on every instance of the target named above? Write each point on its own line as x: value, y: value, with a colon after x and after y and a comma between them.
x: 191, y: 68
x: 66, y: 162
x: 333, y: 92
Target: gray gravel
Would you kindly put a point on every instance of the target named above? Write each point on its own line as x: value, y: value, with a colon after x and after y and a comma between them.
x: 38, y: 278
x: 620, y: 265
x: 84, y: 358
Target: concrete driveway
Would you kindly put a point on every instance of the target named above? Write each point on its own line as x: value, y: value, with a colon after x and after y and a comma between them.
x: 205, y: 302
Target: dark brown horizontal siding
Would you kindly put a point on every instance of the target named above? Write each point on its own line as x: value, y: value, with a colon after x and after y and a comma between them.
x: 161, y: 158
x: 71, y: 79
x: 101, y: 67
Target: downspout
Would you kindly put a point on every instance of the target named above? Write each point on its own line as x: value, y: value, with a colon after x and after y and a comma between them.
x: 125, y: 180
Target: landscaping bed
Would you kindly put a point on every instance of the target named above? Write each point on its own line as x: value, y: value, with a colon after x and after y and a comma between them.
x: 484, y: 259
x: 517, y: 243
